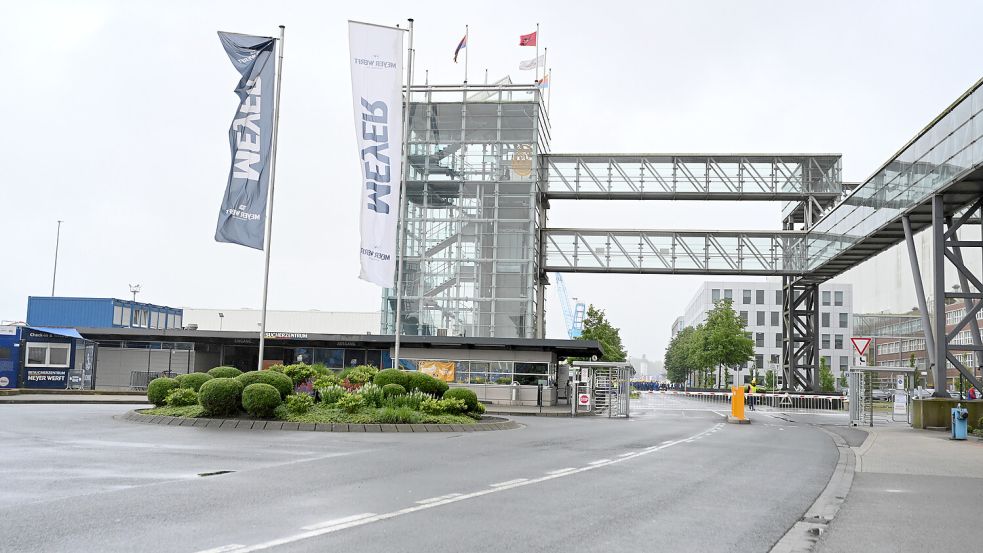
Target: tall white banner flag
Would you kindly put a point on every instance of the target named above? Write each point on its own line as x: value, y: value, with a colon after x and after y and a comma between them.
x: 529, y: 65
x: 377, y: 70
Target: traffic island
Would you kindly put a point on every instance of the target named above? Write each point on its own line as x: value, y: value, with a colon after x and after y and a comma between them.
x: 483, y: 424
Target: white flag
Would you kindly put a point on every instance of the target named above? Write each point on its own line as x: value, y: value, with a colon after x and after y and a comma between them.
x: 533, y: 63
x: 377, y: 70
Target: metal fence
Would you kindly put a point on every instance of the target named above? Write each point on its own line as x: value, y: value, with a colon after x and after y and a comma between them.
x: 719, y: 401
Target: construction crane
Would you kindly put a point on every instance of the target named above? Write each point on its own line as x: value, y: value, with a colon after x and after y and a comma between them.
x: 573, y: 313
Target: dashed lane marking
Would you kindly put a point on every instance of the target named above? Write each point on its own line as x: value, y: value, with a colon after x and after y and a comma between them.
x: 367, y: 518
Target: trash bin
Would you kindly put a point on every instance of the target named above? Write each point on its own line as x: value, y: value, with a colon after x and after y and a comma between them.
x: 960, y: 422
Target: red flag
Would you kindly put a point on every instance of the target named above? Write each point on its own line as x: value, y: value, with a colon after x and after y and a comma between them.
x: 527, y: 40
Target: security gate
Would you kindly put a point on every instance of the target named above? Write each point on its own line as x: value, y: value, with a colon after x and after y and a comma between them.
x: 609, y: 385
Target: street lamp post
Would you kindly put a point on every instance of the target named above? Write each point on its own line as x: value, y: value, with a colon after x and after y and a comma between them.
x: 221, y: 317
x: 54, y: 272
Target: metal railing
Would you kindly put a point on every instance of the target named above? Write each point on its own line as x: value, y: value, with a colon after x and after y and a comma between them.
x: 720, y: 401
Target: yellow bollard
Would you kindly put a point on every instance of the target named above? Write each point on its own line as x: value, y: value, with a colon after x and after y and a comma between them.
x: 737, y: 403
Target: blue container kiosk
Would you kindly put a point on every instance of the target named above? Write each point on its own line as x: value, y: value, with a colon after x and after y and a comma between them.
x: 49, y: 358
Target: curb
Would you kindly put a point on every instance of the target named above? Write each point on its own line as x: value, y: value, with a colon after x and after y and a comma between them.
x: 494, y: 423
x: 8, y: 401
x: 526, y: 414
x: 804, y: 535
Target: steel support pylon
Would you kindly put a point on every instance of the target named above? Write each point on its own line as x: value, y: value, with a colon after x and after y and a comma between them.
x: 946, y: 246
x: 800, y: 358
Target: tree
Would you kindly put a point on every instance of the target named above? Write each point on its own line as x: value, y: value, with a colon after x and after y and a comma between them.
x: 770, y: 379
x: 725, y: 340
x: 597, y: 327
x: 826, y: 381
x: 681, y: 355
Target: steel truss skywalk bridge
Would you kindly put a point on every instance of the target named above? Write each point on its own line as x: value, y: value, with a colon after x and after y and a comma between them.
x: 934, y: 181
x: 478, y: 250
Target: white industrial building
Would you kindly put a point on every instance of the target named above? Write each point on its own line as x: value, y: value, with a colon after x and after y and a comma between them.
x: 759, y: 304
x: 311, y: 321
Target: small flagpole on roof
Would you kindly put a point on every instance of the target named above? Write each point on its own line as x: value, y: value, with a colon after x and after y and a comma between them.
x: 486, y: 75
x: 466, y: 50
x: 549, y: 93
x: 537, y: 51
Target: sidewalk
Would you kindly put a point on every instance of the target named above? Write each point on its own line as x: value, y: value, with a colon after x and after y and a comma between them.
x: 913, y: 490
x: 74, y: 399
x: 519, y: 410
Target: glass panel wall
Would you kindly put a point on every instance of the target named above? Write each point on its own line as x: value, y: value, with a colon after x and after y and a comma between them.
x: 472, y: 218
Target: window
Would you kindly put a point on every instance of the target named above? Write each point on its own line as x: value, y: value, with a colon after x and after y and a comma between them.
x: 743, y: 316
x: 117, y: 315
x: 759, y: 339
x: 47, y: 355
x: 728, y: 294
x: 825, y: 341
x: 775, y: 320
x: 127, y: 321
x: 826, y: 298
x: 759, y: 297
x: 759, y: 361
x: 715, y: 295
x: 844, y: 363
x: 760, y: 318
x: 778, y: 339
x: 154, y: 319
x: 825, y: 317
x: 747, y: 297
x: 778, y: 297
x: 838, y: 298
x: 838, y: 341
x: 177, y: 321
x: 844, y: 319
x: 829, y: 361
x: 774, y: 359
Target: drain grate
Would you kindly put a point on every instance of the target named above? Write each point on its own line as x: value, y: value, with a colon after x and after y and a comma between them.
x: 214, y: 473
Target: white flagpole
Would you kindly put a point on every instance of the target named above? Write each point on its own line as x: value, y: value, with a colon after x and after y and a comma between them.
x: 269, y: 203
x: 402, y: 198
x: 537, y: 51
x: 467, y: 47
x: 546, y: 52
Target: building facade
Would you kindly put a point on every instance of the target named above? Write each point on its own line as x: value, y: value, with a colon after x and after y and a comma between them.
x: 471, y: 263
x: 759, y: 305
x: 312, y: 320
x: 63, y: 312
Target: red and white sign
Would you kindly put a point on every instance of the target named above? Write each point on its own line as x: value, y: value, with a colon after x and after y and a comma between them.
x: 861, y: 345
x: 583, y: 400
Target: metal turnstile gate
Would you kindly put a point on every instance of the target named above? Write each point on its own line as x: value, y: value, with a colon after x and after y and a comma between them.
x: 609, y: 385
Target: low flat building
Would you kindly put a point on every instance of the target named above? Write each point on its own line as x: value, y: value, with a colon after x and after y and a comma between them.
x: 311, y: 320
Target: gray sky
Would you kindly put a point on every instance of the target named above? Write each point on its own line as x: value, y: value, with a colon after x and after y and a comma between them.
x: 116, y: 115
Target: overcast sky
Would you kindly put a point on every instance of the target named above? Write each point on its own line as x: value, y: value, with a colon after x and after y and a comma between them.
x: 115, y: 119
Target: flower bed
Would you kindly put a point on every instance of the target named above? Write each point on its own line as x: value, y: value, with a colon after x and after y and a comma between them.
x: 360, y: 395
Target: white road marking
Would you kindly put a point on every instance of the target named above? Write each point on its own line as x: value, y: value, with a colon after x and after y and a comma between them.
x: 629, y: 454
x: 561, y: 471
x: 463, y: 497
x: 337, y: 521
x: 509, y: 482
x: 598, y: 462
x: 438, y: 498
x: 223, y: 548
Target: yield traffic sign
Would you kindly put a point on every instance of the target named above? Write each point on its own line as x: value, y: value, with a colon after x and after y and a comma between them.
x: 861, y: 345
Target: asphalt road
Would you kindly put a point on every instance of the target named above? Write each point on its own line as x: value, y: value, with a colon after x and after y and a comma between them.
x: 76, y: 479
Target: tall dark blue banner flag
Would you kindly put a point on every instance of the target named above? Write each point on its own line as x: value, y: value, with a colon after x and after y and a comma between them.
x: 242, y: 219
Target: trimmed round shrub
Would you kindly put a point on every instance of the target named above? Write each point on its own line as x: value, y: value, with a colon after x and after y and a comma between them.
x: 390, y: 376
x: 224, y: 372
x: 260, y: 400
x: 158, y: 389
x: 300, y: 373
x: 193, y: 380
x: 470, y: 398
x: 181, y: 397
x: 426, y: 384
x: 221, y: 396
x: 298, y: 404
x: 390, y: 390
x: 278, y: 380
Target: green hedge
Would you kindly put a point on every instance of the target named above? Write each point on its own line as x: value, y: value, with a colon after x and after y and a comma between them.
x: 278, y: 380
x: 181, y: 397
x: 390, y: 390
x: 221, y: 396
x: 224, y: 372
x: 470, y: 398
x: 193, y: 380
x: 260, y: 400
x: 425, y: 383
x: 158, y: 389
x: 391, y: 376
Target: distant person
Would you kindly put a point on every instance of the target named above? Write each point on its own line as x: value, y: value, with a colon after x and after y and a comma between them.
x: 973, y: 393
x: 752, y: 389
